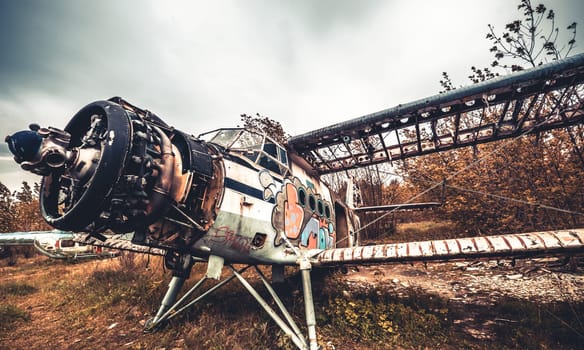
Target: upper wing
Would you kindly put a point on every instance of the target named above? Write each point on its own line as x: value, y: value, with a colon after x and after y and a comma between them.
x: 543, y: 98
x: 512, y: 245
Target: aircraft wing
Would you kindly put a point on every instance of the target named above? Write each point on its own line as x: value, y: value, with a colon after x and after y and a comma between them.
x: 29, y: 238
x: 538, y: 99
x: 119, y: 241
x: 46, y: 242
x: 521, y: 245
x: 43, y: 239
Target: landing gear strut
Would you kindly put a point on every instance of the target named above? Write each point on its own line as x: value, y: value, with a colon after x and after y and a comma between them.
x: 170, y: 307
x: 181, y: 266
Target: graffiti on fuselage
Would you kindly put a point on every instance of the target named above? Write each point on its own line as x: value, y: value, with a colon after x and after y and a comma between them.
x: 300, y: 214
x: 228, y: 238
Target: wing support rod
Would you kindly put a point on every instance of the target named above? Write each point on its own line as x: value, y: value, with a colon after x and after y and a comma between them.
x: 171, y: 307
x: 169, y: 303
x: 291, y: 331
x: 305, y: 267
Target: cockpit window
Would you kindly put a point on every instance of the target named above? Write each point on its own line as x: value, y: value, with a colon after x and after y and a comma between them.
x: 235, y: 139
x: 269, y: 158
x: 274, y: 158
x: 256, y: 147
x: 283, y: 155
x: 248, y: 141
x: 223, y: 137
x: 271, y: 149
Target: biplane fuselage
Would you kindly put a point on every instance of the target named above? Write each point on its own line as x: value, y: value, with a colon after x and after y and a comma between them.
x: 269, y: 204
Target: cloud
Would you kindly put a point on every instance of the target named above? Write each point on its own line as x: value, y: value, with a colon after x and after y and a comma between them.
x: 199, y: 65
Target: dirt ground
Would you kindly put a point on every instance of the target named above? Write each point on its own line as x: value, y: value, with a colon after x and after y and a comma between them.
x: 470, y: 285
x: 544, y: 280
x: 46, y: 327
x: 479, y: 283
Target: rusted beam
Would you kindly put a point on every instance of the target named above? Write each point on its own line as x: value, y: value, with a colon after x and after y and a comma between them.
x: 528, y: 90
x: 117, y: 242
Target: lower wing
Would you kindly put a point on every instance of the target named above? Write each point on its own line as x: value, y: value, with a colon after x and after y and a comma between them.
x: 512, y: 245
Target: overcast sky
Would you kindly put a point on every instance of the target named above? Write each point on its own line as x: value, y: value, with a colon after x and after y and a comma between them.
x: 200, y: 64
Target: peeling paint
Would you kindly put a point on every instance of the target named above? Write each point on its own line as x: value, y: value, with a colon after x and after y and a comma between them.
x: 524, y: 244
x: 111, y: 137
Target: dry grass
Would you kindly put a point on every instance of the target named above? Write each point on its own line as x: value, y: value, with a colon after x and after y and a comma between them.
x: 10, y: 315
x: 424, y: 227
x: 16, y: 288
x: 418, y: 231
x: 104, y: 303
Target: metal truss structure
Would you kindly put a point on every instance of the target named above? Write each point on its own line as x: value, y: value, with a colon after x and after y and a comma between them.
x: 171, y: 307
x: 531, y: 101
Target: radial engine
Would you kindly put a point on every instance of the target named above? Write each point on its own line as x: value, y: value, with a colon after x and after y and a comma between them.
x: 116, y: 167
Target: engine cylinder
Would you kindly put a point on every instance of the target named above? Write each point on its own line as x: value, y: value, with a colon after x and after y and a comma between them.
x: 120, y: 168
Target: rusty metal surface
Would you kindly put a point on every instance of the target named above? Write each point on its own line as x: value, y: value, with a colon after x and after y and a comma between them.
x: 117, y: 242
x: 543, y: 98
x: 512, y: 245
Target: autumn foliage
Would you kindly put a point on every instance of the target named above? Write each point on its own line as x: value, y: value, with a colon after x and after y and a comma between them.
x: 19, y: 210
x: 532, y: 183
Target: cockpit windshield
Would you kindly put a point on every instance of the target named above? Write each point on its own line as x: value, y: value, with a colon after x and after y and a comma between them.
x: 258, y: 148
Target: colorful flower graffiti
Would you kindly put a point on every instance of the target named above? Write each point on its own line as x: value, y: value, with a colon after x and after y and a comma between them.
x: 300, y: 214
